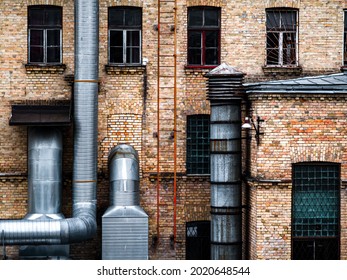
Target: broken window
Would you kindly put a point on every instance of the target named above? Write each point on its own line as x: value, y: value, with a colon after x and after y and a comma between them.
x: 281, y: 39
x: 45, y: 34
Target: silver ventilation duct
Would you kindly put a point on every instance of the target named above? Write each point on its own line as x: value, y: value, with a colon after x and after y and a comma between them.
x: 225, y: 92
x: 124, y: 224
x: 83, y: 224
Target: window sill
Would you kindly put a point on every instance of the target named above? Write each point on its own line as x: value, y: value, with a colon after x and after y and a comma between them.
x: 282, y: 70
x: 124, y: 69
x: 45, y: 68
x: 196, y: 70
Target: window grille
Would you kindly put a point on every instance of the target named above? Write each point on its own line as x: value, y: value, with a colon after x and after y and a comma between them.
x: 198, y: 144
x: 316, y: 211
x: 125, y: 26
x: 282, y: 37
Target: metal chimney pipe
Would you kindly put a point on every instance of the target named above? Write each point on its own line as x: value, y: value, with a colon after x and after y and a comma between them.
x: 82, y: 225
x: 125, y: 223
x: 225, y: 93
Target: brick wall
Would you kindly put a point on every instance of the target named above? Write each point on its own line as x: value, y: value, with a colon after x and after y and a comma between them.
x: 128, y: 110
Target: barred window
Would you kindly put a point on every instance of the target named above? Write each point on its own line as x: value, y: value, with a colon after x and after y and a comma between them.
x: 203, y: 36
x: 198, y: 144
x: 316, y: 211
x: 44, y: 34
x: 125, y: 27
x: 282, y: 37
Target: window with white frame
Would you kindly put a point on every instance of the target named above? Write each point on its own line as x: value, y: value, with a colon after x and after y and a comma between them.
x: 124, y: 26
x: 281, y: 37
x: 44, y: 34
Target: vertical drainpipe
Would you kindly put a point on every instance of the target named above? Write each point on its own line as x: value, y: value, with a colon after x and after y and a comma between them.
x: 225, y: 95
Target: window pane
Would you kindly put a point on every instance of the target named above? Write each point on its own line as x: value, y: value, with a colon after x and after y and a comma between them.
x: 194, y: 56
x: 36, y: 54
x: 272, y: 20
x: 211, y: 56
x: 272, y: 40
x: 212, y: 38
x: 289, y: 53
x: 195, y: 17
x: 198, y: 158
x: 272, y: 56
x: 116, y: 38
x: 53, y: 55
x: 133, y: 55
x: 133, y: 38
x: 53, y: 37
x: 288, y: 21
x: 116, y: 55
x: 194, y: 39
x: 53, y: 17
x: 212, y: 17
x: 133, y: 17
x: 36, y: 16
x: 36, y: 37
x: 116, y: 17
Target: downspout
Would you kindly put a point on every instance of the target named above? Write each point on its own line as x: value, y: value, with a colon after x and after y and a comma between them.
x: 175, y: 125
x: 158, y: 125
x: 82, y: 226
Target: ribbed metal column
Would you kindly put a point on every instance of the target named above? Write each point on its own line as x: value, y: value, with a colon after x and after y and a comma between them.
x: 225, y: 94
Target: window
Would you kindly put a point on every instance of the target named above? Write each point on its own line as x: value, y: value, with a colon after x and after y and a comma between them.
x: 345, y: 41
x: 203, y: 36
x: 198, y: 144
x: 282, y: 37
x: 45, y: 35
x: 316, y: 211
x: 124, y: 25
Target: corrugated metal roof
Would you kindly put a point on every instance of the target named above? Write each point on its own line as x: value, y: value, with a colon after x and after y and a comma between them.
x: 324, y: 84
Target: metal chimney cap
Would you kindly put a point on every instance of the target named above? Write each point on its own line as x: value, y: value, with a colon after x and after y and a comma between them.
x: 224, y: 70
x: 123, y: 151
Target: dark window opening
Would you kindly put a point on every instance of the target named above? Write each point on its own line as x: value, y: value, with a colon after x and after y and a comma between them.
x: 198, y: 144
x: 45, y: 34
x: 316, y: 211
x: 203, y: 36
x: 281, y: 39
x: 125, y: 26
x: 198, y: 244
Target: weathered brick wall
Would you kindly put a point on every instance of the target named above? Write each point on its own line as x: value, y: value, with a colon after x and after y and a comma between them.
x: 296, y: 129
x: 128, y: 110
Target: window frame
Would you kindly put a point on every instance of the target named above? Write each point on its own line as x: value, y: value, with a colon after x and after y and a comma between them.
x: 125, y: 29
x: 200, y: 146
x: 203, y: 30
x: 281, y: 32
x: 45, y: 28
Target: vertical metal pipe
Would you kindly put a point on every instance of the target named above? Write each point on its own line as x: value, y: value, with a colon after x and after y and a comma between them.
x: 44, y: 171
x: 225, y: 92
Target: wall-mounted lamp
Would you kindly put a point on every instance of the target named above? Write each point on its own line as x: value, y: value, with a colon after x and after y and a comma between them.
x: 249, y: 122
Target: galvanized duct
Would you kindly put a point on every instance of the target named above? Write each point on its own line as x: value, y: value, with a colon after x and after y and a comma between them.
x: 83, y: 224
x: 224, y: 92
x: 125, y: 223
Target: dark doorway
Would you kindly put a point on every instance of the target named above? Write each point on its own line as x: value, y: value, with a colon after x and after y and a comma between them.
x: 198, y: 240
